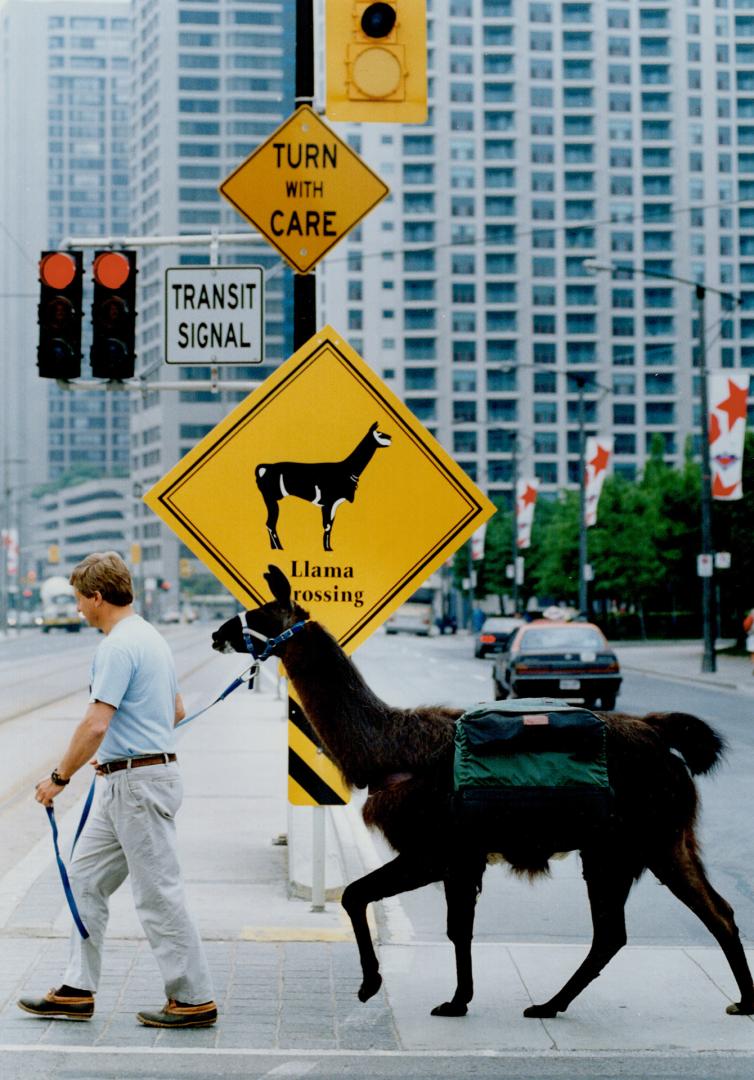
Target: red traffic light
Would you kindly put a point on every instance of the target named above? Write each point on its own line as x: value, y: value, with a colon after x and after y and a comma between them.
x: 57, y: 270
x: 111, y: 269
x: 59, y: 314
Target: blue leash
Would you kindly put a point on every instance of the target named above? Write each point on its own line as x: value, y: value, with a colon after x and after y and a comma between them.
x: 61, y: 865
x: 249, y: 675
x: 246, y: 676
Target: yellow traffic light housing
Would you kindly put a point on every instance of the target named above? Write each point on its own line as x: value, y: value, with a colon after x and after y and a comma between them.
x: 376, y: 61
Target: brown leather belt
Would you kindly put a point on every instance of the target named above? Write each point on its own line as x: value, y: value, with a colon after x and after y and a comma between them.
x: 135, y: 763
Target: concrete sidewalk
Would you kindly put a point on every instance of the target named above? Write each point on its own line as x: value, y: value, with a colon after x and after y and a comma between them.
x: 286, y: 977
x: 683, y: 660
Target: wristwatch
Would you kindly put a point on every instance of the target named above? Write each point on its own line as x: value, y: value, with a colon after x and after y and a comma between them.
x: 58, y: 779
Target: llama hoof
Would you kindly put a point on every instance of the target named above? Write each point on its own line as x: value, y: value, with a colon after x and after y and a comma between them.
x: 369, y: 987
x: 740, y: 1008
x: 450, y: 1008
x: 541, y: 1010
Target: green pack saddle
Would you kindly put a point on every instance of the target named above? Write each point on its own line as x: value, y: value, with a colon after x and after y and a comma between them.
x: 532, y: 766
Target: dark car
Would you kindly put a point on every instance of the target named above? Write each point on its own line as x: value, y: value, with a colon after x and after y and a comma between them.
x: 560, y: 660
x: 494, y: 632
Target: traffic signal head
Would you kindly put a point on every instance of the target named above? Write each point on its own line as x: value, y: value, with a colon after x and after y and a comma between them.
x: 59, y: 314
x: 376, y: 60
x: 112, y: 354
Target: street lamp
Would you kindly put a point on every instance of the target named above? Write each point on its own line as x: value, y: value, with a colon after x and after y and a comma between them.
x: 583, y: 381
x: 700, y: 290
x: 6, y: 525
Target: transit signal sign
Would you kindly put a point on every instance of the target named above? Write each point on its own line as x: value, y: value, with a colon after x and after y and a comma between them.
x: 214, y: 315
x: 304, y: 188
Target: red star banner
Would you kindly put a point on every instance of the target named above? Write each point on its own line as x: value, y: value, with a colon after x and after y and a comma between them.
x: 9, y: 538
x: 599, y: 450
x: 477, y: 543
x: 728, y: 392
x: 526, y: 497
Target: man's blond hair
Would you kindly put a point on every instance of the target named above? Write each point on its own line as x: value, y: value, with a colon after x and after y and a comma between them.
x: 106, y: 573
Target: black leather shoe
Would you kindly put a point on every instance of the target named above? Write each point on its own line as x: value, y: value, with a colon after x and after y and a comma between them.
x: 175, y: 1014
x: 56, y: 1006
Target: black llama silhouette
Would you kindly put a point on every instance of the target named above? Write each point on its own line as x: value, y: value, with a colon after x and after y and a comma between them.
x: 326, y: 484
x: 405, y: 758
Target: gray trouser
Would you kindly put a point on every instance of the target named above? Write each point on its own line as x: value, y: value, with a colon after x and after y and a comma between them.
x: 132, y: 831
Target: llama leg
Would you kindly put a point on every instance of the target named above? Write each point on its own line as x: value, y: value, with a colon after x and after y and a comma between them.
x: 328, y: 516
x: 462, y: 890
x: 273, y: 512
x: 684, y: 874
x: 608, y: 886
x: 400, y: 875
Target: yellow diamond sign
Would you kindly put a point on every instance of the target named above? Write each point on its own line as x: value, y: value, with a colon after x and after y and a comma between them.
x: 325, y: 472
x: 304, y: 189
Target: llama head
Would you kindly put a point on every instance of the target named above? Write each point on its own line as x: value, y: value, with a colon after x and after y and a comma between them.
x: 380, y: 437
x: 268, y: 620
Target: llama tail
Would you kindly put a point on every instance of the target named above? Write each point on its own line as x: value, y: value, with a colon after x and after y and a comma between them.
x: 698, y: 744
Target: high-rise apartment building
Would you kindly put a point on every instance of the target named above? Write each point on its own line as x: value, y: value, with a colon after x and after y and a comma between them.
x: 63, y: 172
x: 617, y: 131
x: 64, y: 117
x: 210, y: 81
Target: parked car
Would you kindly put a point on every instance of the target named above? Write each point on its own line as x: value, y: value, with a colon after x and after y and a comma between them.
x: 171, y: 616
x: 571, y: 660
x: 494, y: 632
x: 415, y: 616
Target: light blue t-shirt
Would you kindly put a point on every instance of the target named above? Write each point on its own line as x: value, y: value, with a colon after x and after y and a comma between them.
x: 133, y: 671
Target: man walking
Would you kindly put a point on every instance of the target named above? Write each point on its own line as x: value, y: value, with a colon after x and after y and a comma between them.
x: 129, y: 725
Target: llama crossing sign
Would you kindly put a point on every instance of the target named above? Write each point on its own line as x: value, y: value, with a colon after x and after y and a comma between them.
x: 323, y: 471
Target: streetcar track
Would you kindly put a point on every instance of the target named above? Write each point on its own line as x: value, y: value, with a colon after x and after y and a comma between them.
x: 10, y: 800
x: 71, y: 654
x: 45, y: 703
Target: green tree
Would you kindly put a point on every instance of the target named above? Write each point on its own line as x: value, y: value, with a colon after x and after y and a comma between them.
x: 552, y: 561
x: 621, y: 545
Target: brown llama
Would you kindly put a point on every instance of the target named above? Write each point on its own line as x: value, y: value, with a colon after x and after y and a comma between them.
x: 405, y: 758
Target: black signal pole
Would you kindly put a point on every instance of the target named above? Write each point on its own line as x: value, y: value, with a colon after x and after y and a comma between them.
x: 304, y: 285
x: 304, y: 327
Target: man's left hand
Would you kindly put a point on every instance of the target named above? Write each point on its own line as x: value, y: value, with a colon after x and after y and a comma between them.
x: 46, y: 791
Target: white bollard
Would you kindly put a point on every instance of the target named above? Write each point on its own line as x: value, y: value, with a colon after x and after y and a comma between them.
x: 318, y: 858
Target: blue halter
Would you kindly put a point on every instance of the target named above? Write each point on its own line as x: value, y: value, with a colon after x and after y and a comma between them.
x: 270, y: 644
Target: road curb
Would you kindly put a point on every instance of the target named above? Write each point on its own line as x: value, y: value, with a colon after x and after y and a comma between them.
x: 715, y: 684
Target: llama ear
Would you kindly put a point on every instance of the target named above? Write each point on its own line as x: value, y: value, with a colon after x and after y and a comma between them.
x: 374, y: 426
x: 280, y: 586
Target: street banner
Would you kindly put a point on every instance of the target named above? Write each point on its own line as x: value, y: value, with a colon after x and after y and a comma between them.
x: 728, y: 391
x: 477, y: 543
x: 599, y: 450
x: 10, y: 544
x: 526, y: 497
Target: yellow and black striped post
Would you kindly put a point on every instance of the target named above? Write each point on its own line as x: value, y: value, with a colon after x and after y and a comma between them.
x: 313, y: 780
